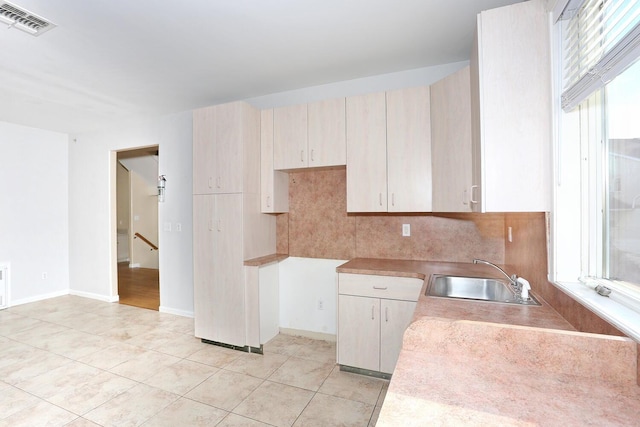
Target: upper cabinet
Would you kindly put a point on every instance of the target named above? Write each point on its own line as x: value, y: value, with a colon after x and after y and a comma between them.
x: 274, y: 185
x: 511, y: 109
x: 327, y: 133
x: 290, y: 137
x: 389, y: 152
x: 217, y: 134
x: 309, y: 135
x: 409, y: 150
x: 451, y: 142
x: 367, y: 153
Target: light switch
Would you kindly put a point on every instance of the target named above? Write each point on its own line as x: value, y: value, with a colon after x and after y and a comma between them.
x: 167, y: 226
x: 406, y: 230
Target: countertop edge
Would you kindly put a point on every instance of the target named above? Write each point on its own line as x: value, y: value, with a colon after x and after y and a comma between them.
x: 265, y: 260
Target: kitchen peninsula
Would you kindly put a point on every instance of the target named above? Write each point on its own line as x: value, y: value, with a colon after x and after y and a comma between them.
x: 482, y: 363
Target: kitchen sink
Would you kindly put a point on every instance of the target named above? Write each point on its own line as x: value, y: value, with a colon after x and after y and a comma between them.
x: 475, y: 288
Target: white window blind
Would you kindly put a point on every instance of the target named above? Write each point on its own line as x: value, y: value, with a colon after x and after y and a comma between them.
x: 600, y: 42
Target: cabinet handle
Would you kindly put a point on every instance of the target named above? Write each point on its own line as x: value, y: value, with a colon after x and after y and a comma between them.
x: 210, y: 182
x: 381, y: 288
x: 312, y: 150
x: 373, y: 307
x: 218, y: 182
x: 386, y: 314
x: 302, y: 156
x: 393, y: 199
x: 380, y: 198
x: 210, y: 225
x: 268, y: 201
x: 471, y: 198
x: 219, y: 225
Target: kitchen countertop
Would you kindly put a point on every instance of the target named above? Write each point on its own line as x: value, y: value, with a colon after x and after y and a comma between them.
x: 537, y: 316
x: 480, y: 363
x: 265, y: 260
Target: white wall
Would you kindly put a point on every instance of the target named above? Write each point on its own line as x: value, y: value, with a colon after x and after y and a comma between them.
x: 34, y: 213
x: 304, y: 282
x: 143, y: 190
x: 91, y: 206
x: 144, y: 210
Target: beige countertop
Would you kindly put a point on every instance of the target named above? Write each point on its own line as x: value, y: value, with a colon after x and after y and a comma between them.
x: 265, y: 260
x: 467, y: 363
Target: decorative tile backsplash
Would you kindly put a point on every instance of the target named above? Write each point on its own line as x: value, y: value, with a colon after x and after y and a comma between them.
x: 318, y: 226
x: 527, y: 255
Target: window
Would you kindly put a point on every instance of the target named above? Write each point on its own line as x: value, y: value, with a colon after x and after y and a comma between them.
x: 622, y: 222
x: 596, y: 216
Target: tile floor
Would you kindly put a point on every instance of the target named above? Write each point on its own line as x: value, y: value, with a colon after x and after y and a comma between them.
x: 73, y: 361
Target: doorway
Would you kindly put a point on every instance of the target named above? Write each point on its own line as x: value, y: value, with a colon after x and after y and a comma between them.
x: 138, y: 272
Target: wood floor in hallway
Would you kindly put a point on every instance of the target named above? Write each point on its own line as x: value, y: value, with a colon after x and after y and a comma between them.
x: 139, y: 287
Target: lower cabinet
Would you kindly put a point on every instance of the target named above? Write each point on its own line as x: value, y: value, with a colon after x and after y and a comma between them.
x: 373, y: 313
x: 218, y: 268
x: 262, y: 303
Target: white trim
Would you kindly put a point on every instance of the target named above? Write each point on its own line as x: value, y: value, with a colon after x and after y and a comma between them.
x: 619, y: 315
x: 5, y: 267
x: 134, y: 265
x: 91, y: 295
x: 39, y: 297
x: 169, y: 310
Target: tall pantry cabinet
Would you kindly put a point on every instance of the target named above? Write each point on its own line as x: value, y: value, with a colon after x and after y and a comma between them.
x: 227, y: 223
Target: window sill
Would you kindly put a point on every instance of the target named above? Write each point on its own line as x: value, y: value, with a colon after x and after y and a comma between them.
x: 619, y: 315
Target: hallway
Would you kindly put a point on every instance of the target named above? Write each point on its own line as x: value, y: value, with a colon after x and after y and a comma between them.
x: 139, y: 287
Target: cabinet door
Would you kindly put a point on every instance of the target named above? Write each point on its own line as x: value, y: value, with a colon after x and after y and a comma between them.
x: 203, y: 150
x: 359, y: 332
x: 451, y: 142
x: 203, y: 265
x: 274, y: 185
x: 409, y: 150
x: 290, y: 137
x: 327, y: 133
x: 366, y: 153
x: 228, y: 148
x: 511, y: 79
x: 395, y: 317
x: 228, y: 304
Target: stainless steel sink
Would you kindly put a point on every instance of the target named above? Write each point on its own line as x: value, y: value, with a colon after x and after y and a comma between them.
x: 475, y: 288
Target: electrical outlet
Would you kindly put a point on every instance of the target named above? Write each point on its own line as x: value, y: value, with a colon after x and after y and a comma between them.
x: 406, y: 230
x: 178, y: 226
x: 320, y: 304
x: 44, y: 275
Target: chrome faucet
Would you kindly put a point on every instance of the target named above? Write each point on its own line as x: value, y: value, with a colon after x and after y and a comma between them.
x: 521, y: 287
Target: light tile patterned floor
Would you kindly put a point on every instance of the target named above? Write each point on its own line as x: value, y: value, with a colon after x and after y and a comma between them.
x: 73, y: 361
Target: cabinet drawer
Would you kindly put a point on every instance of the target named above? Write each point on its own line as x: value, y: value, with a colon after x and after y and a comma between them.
x: 390, y: 287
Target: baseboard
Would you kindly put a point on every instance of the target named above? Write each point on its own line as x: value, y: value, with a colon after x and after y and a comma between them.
x: 39, y: 298
x: 175, y: 311
x: 308, y: 334
x: 134, y: 265
x: 91, y: 295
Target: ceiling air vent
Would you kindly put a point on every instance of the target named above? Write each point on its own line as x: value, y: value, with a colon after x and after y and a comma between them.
x: 21, y: 19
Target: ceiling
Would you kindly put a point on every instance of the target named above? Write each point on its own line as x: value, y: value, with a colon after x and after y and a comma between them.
x: 111, y: 61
